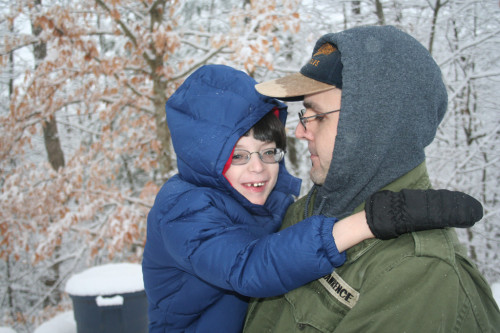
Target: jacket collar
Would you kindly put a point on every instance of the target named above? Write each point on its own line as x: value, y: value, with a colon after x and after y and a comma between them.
x: 417, y: 178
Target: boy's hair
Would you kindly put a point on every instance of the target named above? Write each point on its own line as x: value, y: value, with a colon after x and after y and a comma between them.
x: 269, y: 129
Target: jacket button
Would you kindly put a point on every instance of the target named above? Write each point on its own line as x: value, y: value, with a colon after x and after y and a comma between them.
x: 301, y: 326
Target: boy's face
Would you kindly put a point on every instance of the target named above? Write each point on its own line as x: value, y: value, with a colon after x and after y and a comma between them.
x: 254, y: 180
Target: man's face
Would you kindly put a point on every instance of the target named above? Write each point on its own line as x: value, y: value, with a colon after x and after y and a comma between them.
x: 321, y: 131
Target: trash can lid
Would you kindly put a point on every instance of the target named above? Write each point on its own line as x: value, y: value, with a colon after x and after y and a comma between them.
x: 107, y: 279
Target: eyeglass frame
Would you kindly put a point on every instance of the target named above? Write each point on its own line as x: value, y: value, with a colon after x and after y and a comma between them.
x: 304, y: 120
x: 278, y: 151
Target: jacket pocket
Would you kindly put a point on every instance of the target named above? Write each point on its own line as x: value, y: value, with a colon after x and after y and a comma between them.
x: 317, y: 309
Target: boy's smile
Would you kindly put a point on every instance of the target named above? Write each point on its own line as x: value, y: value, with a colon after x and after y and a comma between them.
x: 254, y: 180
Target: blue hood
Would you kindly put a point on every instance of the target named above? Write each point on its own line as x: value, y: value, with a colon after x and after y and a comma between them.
x: 207, y: 115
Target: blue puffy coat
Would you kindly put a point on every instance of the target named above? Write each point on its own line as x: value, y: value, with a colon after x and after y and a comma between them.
x: 208, y: 248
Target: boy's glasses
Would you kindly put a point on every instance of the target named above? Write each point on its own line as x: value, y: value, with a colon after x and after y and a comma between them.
x: 305, y: 120
x: 269, y: 156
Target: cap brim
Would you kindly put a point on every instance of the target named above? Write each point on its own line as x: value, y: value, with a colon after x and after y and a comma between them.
x: 292, y: 87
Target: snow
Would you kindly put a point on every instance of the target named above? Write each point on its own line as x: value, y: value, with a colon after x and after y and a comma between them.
x: 495, y: 287
x: 107, y: 279
x: 109, y: 301
x: 63, y: 323
x: 8, y: 330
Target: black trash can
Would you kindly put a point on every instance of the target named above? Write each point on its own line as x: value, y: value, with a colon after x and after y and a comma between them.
x: 109, y: 299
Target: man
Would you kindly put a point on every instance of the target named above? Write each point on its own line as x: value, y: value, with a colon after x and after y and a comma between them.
x: 391, y: 98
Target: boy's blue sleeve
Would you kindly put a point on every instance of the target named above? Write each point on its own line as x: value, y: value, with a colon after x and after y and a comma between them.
x: 230, y: 256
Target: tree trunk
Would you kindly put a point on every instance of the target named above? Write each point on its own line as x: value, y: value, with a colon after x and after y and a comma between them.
x: 50, y: 133
x: 436, y: 8
x: 52, y: 143
x: 165, y: 159
x: 10, y: 291
x: 379, y: 10
x: 356, y: 7
x: 55, y: 156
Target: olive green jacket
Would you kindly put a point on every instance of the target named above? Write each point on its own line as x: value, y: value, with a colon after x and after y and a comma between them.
x: 419, y: 282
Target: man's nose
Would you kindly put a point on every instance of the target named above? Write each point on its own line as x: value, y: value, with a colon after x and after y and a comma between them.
x: 300, y: 131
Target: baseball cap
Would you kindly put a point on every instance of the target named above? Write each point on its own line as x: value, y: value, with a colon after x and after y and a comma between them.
x: 322, y: 72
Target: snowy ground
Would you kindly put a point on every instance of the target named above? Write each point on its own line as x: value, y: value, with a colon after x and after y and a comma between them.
x: 65, y: 323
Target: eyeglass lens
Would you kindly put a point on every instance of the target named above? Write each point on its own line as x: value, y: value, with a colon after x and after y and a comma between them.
x: 271, y: 155
x: 305, y: 120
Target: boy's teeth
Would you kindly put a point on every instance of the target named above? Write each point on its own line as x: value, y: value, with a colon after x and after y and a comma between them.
x: 256, y: 184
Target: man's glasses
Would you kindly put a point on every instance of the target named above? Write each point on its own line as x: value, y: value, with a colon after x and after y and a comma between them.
x: 269, y: 156
x: 305, y: 120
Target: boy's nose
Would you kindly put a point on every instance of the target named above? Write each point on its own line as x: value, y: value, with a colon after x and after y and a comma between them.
x: 255, y: 164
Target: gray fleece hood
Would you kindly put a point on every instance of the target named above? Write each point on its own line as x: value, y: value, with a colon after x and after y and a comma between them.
x: 393, y: 99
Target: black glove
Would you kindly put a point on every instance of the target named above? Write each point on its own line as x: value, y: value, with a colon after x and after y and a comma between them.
x: 390, y: 214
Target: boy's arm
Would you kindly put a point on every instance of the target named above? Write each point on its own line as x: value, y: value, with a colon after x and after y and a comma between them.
x: 231, y: 257
x: 228, y: 255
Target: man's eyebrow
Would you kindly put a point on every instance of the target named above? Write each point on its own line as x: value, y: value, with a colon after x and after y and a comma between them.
x: 310, y: 105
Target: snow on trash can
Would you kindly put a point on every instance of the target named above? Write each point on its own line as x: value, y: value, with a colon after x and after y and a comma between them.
x: 109, y: 299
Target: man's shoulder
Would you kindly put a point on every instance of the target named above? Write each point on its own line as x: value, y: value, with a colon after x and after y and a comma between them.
x: 410, y: 256
x: 438, y: 244
x: 295, y: 213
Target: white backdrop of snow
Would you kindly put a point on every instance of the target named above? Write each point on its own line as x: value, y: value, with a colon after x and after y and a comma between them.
x: 496, y: 292
x: 110, y: 279
x: 63, y: 323
x: 8, y: 330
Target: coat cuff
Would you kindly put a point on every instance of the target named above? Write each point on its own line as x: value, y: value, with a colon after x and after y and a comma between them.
x: 336, y: 259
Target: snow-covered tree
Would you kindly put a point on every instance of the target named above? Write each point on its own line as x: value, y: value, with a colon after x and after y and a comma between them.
x: 85, y: 145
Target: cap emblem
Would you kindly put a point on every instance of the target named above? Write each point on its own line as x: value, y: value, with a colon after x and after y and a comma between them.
x: 325, y: 49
